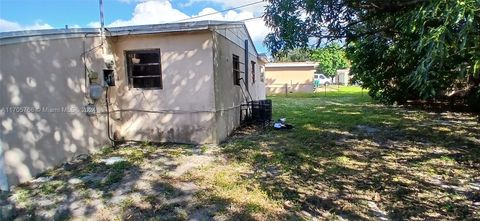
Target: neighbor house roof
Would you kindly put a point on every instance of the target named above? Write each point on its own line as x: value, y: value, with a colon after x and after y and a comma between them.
x: 32, y: 35
x: 291, y: 64
x: 263, y: 57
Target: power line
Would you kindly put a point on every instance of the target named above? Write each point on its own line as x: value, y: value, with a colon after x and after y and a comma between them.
x: 248, y: 19
x: 242, y: 20
x: 229, y: 9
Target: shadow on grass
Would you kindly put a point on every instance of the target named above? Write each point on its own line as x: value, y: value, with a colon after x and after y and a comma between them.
x: 139, y: 188
x: 55, y: 192
x: 351, y: 158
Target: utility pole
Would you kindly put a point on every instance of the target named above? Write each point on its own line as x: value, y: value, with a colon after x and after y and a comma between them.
x: 102, y: 26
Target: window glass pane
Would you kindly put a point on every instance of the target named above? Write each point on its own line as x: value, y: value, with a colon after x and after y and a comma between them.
x: 145, y: 70
x: 236, y: 62
x: 149, y: 82
x: 253, y: 71
x: 145, y: 58
x: 142, y: 66
x: 236, y: 70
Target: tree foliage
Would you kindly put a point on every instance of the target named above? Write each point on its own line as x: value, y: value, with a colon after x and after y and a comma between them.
x: 295, y: 55
x: 330, y: 58
x: 415, y: 49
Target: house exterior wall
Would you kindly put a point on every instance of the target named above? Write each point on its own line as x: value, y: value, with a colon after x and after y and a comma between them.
x: 229, y: 97
x: 184, y: 110
x: 42, y: 92
x: 296, y: 79
x: 45, y: 81
x: 343, y: 76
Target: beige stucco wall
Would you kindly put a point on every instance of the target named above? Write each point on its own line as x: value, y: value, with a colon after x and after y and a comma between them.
x: 229, y: 97
x: 184, y: 110
x: 198, y: 102
x: 297, y: 79
x: 39, y: 78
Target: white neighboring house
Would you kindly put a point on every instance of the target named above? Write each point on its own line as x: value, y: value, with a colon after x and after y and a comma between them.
x: 343, y: 77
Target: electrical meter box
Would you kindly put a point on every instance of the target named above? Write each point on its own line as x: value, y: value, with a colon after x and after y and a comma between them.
x: 95, y: 91
x: 109, y: 77
x: 92, y: 75
x: 109, y: 60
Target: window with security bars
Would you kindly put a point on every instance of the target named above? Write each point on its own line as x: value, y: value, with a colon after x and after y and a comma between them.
x: 253, y: 71
x: 236, y: 69
x: 144, y: 69
x: 262, y: 73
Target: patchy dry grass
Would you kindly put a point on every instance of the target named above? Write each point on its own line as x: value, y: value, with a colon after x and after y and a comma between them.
x: 235, y: 196
x: 349, y: 158
x: 346, y: 158
x: 137, y: 188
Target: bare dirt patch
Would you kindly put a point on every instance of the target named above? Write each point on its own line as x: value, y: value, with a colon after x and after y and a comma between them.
x: 145, y: 185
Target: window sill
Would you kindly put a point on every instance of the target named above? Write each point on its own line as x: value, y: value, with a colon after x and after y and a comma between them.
x: 146, y: 89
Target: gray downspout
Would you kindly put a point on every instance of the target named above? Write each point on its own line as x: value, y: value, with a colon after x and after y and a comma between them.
x: 246, y: 65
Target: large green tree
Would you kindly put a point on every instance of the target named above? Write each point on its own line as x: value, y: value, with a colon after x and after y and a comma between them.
x: 410, y: 49
x: 295, y: 55
x: 330, y: 58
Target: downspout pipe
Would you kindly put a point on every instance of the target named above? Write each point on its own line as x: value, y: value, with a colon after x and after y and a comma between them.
x: 246, y: 66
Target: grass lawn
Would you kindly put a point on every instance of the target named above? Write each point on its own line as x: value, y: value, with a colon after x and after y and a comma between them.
x: 347, y: 158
